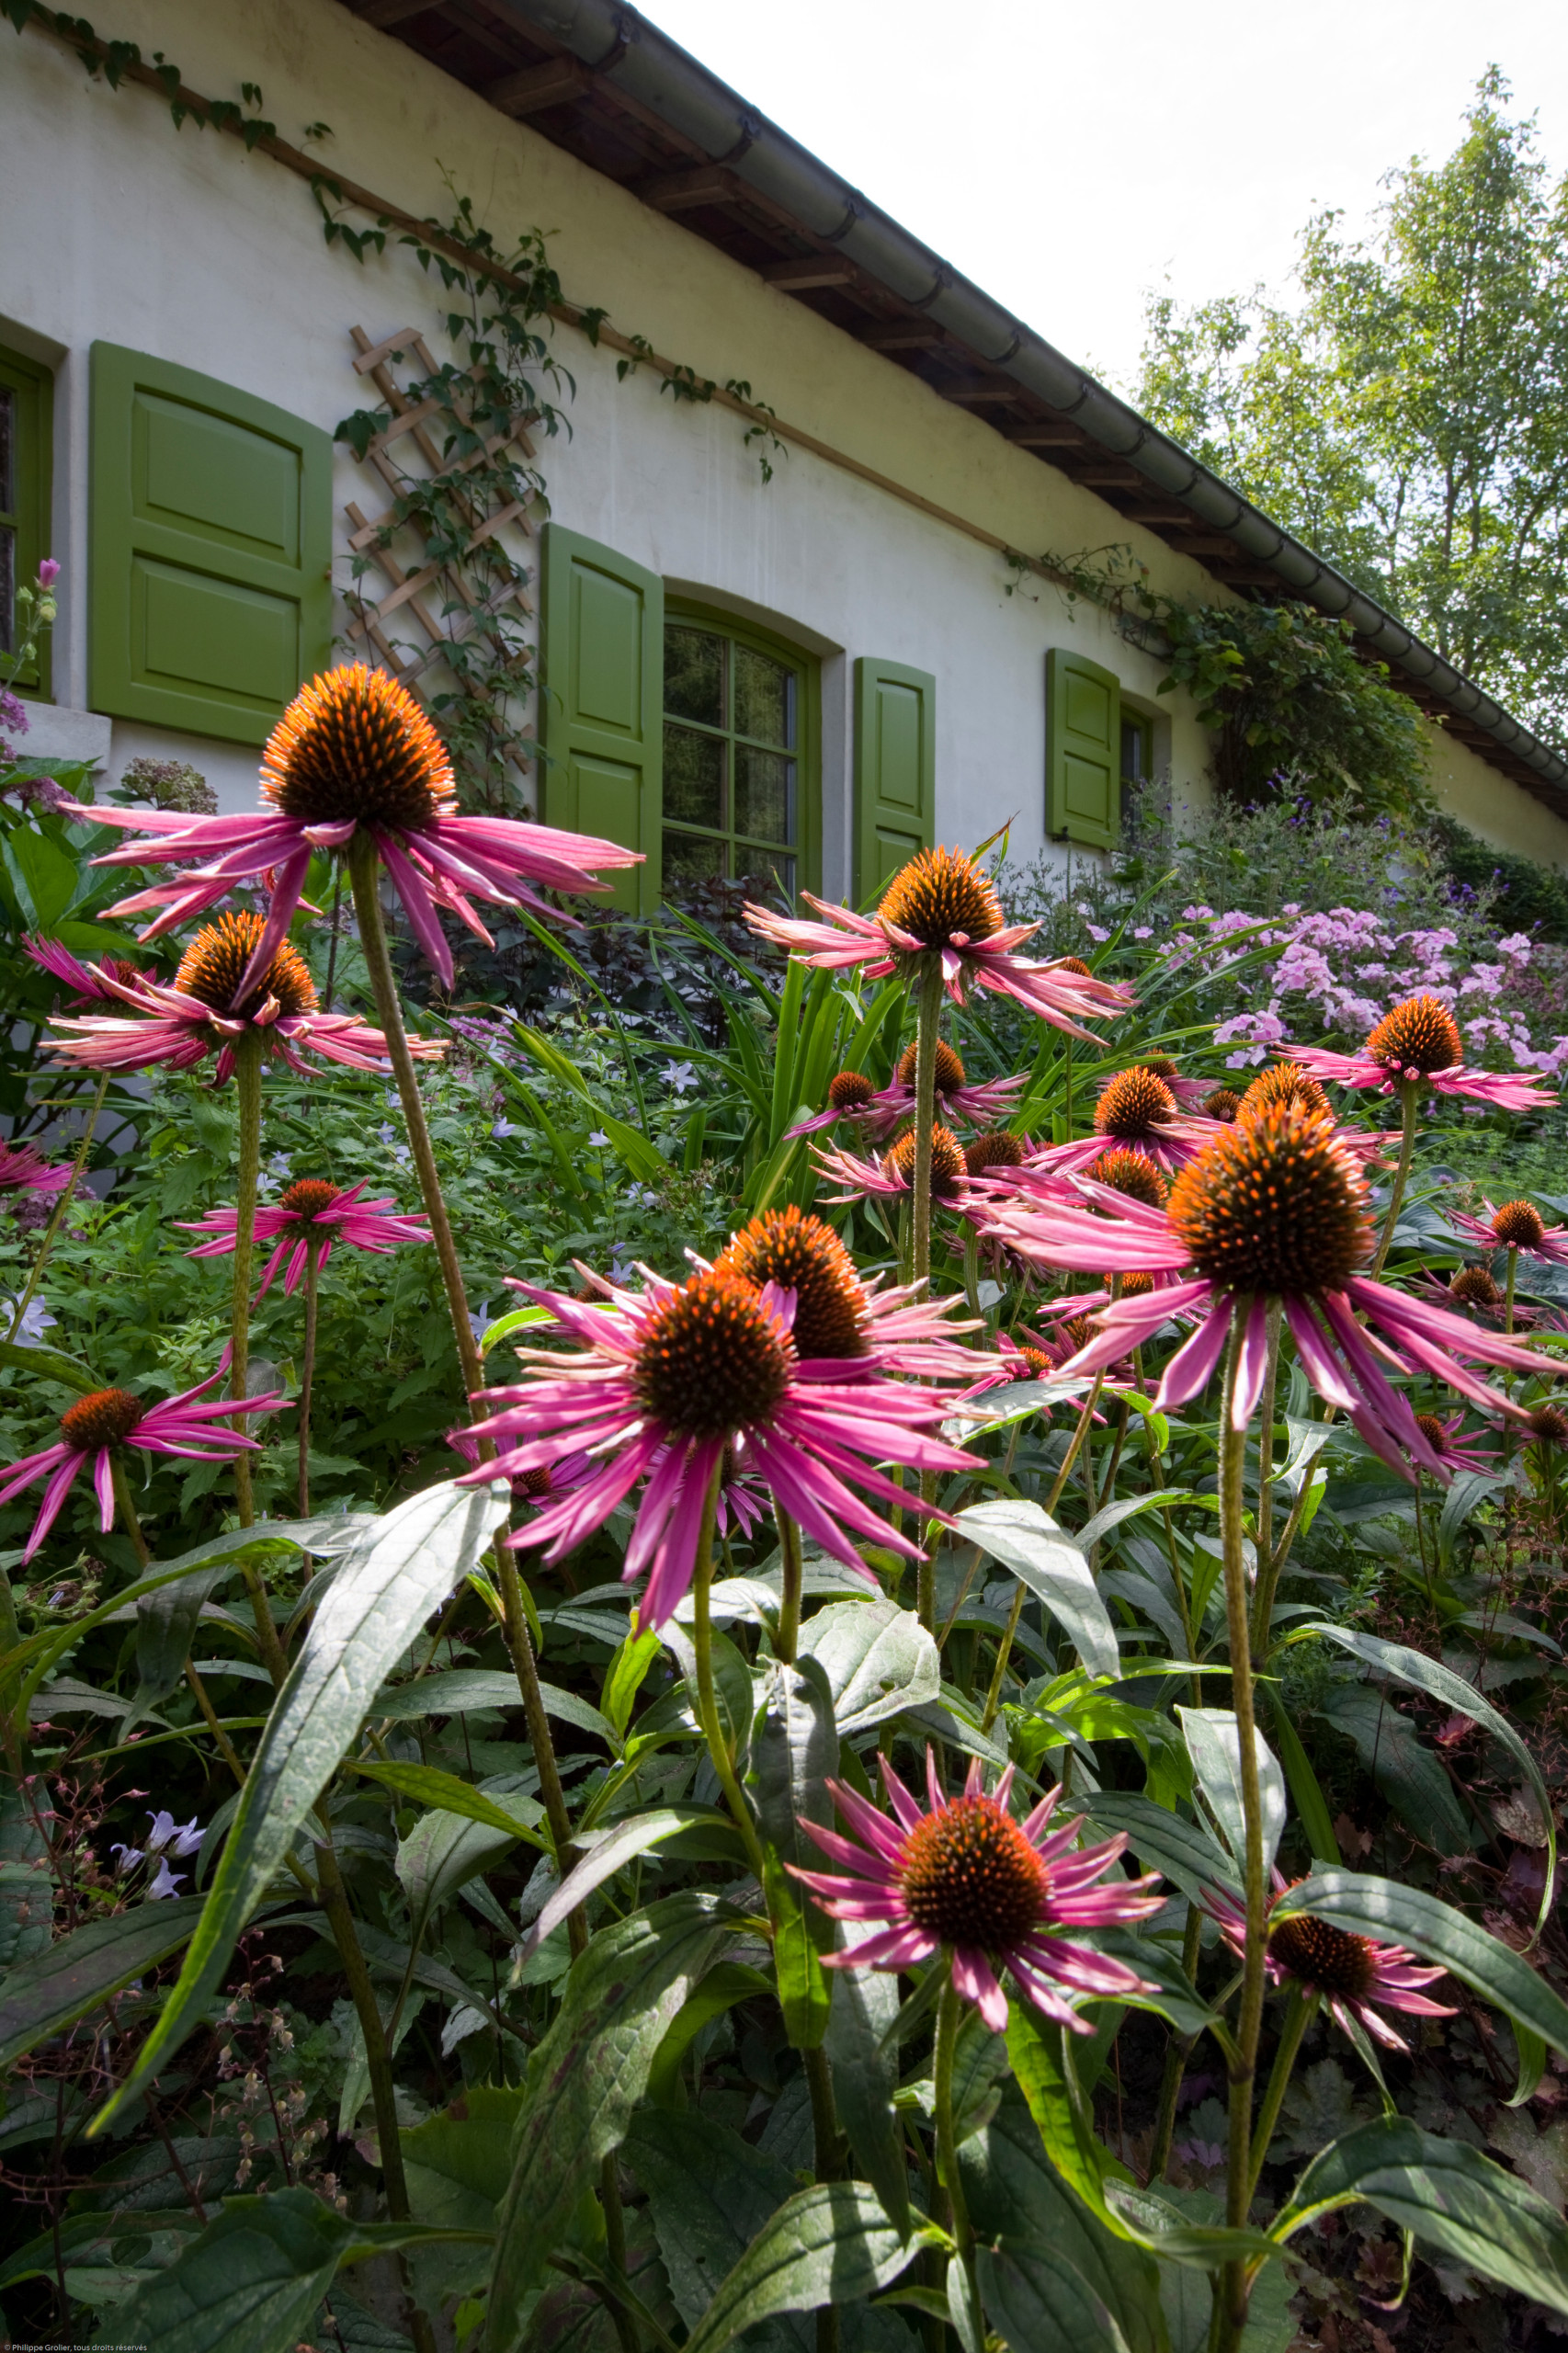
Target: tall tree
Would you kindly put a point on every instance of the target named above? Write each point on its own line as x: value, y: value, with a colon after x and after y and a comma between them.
x: 1406, y: 413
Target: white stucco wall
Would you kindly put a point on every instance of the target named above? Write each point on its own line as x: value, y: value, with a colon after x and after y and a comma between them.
x: 182, y: 245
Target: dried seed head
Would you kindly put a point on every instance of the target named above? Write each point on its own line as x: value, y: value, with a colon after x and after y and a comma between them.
x: 799, y: 1253
x: 354, y: 745
x: 1134, y: 1106
x: 950, y: 1070
x: 1223, y: 1104
x: 712, y: 1358
x: 1520, y: 1225
x: 1328, y: 1960
x: 1473, y: 1287
x: 1278, y: 1206
x: 970, y: 1876
x: 941, y: 893
x: 947, y: 1161
x: 212, y: 966
x: 1286, y: 1083
x: 1417, y: 1038
x: 102, y: 1420
x: 851, y: 1090
x: 994, y: 1149
x: 1130, y: 1173
x: 1548, y: 1426
x: 308, y: 1196
x: 1431, y: 1430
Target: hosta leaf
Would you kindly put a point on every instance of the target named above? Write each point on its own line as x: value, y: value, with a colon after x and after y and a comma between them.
x: 57, y: 1984
x: 1051, y: 1562
x: 587, y: 2077
x: 829, y: 2245
x: 401, y: 1569
x: 1385, y: 1909
x: 1450, y: 2195
x: 1213, y: 1741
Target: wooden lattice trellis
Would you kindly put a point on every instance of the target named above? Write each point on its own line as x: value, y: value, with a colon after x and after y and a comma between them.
x: 408, y: 590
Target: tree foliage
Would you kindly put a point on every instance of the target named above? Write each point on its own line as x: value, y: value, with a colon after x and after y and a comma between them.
x: 1403, y: 411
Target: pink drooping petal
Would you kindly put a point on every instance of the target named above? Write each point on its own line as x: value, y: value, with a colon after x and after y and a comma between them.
x: 1192, y: 1369
x: 1252, y: 1366
x: 103, y: 1482
x: 53, y: 1497
x: 280, y: 913
x: 974, y: 1981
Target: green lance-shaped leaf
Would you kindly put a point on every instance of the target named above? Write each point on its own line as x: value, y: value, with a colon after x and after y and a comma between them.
x: 400, y: 1571
x: 1311, y: 1805
x: 587, y: 2077
x: 1408, y: 1915
x: 1187, y: 1852
x: 1215, y: 1745
x: 710, y: 2193
x: 43, y: 1994
x: 879, y: 1660
x: 1440, y: 1682
x: 1016, y: 2195
x: 440, y: 1854
x: 165, y: 1623
x: 862, y: 2047
x: 829, y: 2245
x: 250, y: 2282
x: 1409, y: 1776
x: 1133, y: 1507
x: 794, y: 1749
x: 1045, y: 1558
x: 1453, y: 2198
x: 1168, y: 2233
x: 427, y: 1785
x: 1034, y: 2297
x: 465, y: 1691
x: 610, y: 1852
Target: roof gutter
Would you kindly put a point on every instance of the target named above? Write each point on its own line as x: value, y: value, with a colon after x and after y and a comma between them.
x: 661, y: 77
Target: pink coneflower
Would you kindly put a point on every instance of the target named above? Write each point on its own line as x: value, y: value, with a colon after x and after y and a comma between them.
x: 1136, y: 1114
x: 665, y: 1379
x: 1287, y: 1082
x: 91, y: 984
x: 940, y: 904
x: 963, y: 1878
x: 1419, y: 1044
x: 1517, y: 1225
x: 310, y: 1211
x: 1275, y: 1210
x: 1473, y: 1291
x: 1448, y: 1442
x: 845, y: 1329
x: 890, y: 1176
x: 1350, y: 1974
x: 211, y: 1005
x: 851, y: 1096
x: 25, y: 1170
x: 91, y: 1428
x: 354, y: 748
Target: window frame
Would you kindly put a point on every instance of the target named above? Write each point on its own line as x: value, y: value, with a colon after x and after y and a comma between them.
x: 32, y: 382
x: 807, y: 754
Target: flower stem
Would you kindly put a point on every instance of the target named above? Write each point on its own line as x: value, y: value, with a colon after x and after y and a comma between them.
x: 949, y: 2017
x: 378, y: 2060
x: 1508, y: 1294
x: 1407, y: 1094
x: 928, y: 1020
x: 786, y: 1641
x: 364, y: 874
x: 971, y: 1268
x: 1178, y: 2051
x: 247, y: 1086
x: 707, y: 1704
x: 1298, y: 2018
x: 1267, y: 1574
x: 1232, y: 2290
x: 62, y: 1203
x: 307, y: 1375
x: 125, y: 1508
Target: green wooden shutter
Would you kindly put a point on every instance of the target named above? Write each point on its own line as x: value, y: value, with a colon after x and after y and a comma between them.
x: 601, y: 710
x: 895, y: 770
x: 210, y: 585
x: 1082, y: 750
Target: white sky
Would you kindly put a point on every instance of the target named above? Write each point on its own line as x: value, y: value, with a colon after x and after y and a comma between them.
x: 1069, y: 158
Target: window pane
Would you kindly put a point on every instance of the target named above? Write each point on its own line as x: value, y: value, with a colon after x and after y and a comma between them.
x: 7, y: 450
x: 694, y: 776
x: 688, y: 858
x: 1133, y: 768
x: 764, y: 795
x: 7, y: 589
x: 764, y: 878
x: 694, y: 675
x: 765, y: 698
